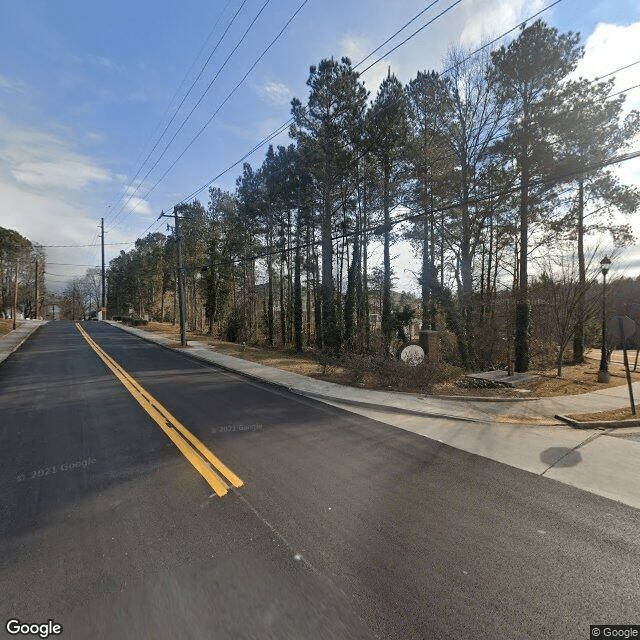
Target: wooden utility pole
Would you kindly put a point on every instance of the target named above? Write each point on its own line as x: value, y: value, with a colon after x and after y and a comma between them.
x: 181, y: 298
x: 15, y: 298
x: 37, y: 293
x: 103, y: 308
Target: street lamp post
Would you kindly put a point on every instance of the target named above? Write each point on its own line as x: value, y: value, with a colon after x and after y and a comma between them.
x: 603, y: 373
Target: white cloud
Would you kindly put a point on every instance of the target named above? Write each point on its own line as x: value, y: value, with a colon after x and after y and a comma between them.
x: 131, y: 202
x: 277, y: 93
x: 137, y: 205
x: 103, y: 62
x: 39, y: 159
x: 12, y: 86
x: 48, y: 192
x: 610, y: 47
x: 68, y: 174
x: 486, y: 20
x: 355, y: 47
x: 94, y: 137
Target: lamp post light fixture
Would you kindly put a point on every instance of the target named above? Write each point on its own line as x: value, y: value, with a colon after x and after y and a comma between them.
x: 603, y: 373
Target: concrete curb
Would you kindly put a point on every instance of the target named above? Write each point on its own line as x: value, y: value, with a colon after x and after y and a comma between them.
x: 381, y: 407
x: 300, y: 392
x: 5, y: 355
x: 480, y: 399
x: 600, y: 424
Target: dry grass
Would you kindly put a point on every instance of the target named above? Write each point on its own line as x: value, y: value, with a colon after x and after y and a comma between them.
x: 614, y: 414
x: 303, y: 364
x: 576, y: 379
x: 581, y: 378
x: 6, y: 326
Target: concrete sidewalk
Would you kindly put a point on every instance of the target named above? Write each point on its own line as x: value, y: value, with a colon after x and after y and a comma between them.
x: 12, y: 341
x: 459, y: 408
x: 602, y: 461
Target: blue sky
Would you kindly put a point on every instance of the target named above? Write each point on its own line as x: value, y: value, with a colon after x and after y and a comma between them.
x: 87, y: 88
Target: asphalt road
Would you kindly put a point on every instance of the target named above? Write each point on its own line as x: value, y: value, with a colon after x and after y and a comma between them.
x: 344, y: 527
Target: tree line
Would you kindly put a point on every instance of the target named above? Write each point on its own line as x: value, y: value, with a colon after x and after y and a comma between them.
x: 21, y: 275
x: 503, y: 158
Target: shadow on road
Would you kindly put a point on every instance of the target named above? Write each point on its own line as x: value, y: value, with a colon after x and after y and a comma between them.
x: 561, y: 457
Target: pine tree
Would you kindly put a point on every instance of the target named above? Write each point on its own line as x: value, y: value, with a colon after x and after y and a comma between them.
x: 590, y: 129
x: 525, y: 73
x: 325, y: 129
x: 388, y: 131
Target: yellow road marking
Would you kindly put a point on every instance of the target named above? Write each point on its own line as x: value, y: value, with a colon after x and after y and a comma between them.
x: 190, y: 446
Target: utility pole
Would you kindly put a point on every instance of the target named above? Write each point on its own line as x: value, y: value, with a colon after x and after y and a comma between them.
x: 15, y: 297
x: 103, y: 309
x: 181, y: 300
x: 37, y: 293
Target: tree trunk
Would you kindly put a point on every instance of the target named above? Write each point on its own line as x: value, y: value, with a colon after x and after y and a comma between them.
x: 283, y: 319
x: 387, y: 324
x: 578, y: 340
x: 297, y: 300
x: 350, y: 307
x: 425, y: 278
x: 522, y: 324
x: 330, y: 333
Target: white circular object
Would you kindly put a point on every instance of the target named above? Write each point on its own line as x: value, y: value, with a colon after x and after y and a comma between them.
x: 412, y: 354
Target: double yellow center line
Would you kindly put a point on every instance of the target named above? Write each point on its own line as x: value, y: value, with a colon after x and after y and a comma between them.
x: 192, y: 449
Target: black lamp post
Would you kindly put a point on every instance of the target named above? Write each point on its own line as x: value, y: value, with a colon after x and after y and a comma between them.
x: 603, y: 373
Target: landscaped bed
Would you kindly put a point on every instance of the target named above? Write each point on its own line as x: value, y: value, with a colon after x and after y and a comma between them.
x: 372, y: 373
x: 6, y: 326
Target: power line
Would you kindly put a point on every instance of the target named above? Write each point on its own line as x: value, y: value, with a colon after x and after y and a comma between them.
x: 281, y: 128
x: 606, y: 75
x: 477, y: 200
x: 60, y: 246
x: 396, y: 33
x: 183, y: 99
x: 184, y: 79
x: 60, y: 275
x: 215, y: 113
x: 185, y: 120
x: 617, y: 93
x: 67, y: 264
x: 506, y: 33
x: 413, y: 35
x: 286, y: 124
x: 278, y: 131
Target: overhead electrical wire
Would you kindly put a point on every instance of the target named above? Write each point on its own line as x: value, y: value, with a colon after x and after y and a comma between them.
x: 229, y: 95
x: 198, y: 102
x: 227, y: 98
x: 498, y: 38
x: 70, y: 264
x: 132, y: 181
x: 286, y: 124
x: 400, y: 30
x: 281, y: 128
x: 627, y: 66
x: 62, y: 246
x: 375, y: 229
x: 177, y: 91
x: 415, y: 33
x: 617, y: 93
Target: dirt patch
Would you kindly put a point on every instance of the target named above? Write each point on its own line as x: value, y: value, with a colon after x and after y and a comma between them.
x: 6, y: 326
x: 614, y: 414
x: 576, y: 379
